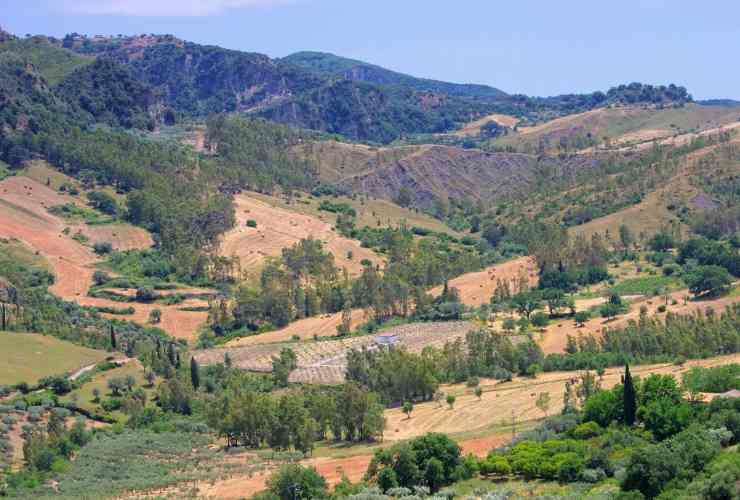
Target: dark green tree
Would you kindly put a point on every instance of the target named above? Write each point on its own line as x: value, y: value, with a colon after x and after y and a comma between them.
x: 113, y: 343
x: 630, y: 398
x: 194, y: 373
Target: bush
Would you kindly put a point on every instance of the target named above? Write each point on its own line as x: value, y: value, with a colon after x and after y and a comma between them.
x: 103, y: 247
x: 495, y: 464
x: 111, y: 404
x: 251, y: 223
x: 100, y: 278
x: 587, y: 430
x: 145, y: 294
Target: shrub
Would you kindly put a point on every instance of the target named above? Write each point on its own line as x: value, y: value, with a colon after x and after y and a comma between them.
x: 495, y: 464
x: 111, y: 404
x: 251, y: 223
x: 145, y: 294
x: 587, y: 430
x: 103, y: 247
x: 100, y: 278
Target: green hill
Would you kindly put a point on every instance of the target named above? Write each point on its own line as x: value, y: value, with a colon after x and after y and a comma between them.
x: 351, y: 69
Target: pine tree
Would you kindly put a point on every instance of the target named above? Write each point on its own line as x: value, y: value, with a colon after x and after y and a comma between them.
x: 630, y: 400
x: 194, y: 373
x: 113, y: 343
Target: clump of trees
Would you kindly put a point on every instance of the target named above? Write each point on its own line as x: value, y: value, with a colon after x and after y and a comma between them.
x: 432, y: 460
x: 296, y: 419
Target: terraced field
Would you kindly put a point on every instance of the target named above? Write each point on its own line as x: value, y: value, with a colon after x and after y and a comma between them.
x: 24, y: 216
x: 324, y: 362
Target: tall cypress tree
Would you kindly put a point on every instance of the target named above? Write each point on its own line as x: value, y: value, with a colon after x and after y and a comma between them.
x: 113, y: 343
x: 172, y: 354
x: 194, y: 373
x: 630, y: 399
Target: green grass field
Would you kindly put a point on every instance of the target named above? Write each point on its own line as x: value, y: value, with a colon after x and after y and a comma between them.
x: 647, y: 285
x: 28, y: 357
x: 85, y: 396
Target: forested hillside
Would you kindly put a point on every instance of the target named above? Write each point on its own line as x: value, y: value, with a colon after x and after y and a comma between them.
x: 351, y: 69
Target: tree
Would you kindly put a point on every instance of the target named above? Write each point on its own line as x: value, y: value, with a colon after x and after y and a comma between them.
x: 603, y: 407
x: 194, y: 373
x: 116, y: 385
x: 626, y: 238
x: 451, y: 401
x: 629, y: 398
x: 150, y: 376
x: 581, y: 317
x: 113, y: 342
x: 293, y: 481
x: 543, y: 402
x: 434, y: 474
x: 130, y: 382
x: 283, y: 365
x: 710, y: 281
x: 96, y: 395
x: 155, y: 316
x: 478, y: 392
x: 404, y: 197
x: 540, y: 320
x: 526, y: 302
x: 387, y: 479
x: 407, y: 408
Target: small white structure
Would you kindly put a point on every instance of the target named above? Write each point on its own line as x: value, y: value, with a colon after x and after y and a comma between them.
x: 387, y: 339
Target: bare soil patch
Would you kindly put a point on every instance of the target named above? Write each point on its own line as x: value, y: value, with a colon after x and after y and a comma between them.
x: 279, y: 228
x: 478, y: 287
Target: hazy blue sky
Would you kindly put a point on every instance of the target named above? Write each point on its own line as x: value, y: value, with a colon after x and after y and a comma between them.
x: 535, y: 47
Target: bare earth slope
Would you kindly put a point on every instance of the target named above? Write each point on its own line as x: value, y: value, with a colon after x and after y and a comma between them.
x: 24, y: 216
x: 278, y: 228
x: 438, y: 172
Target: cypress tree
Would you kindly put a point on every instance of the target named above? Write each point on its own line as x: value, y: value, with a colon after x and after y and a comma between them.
x: 630, y: 399
x: 113, y: 343
x: 194, y: 373
x: 172, y: 354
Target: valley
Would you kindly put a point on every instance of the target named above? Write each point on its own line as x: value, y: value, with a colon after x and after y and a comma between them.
x: 225, y: 274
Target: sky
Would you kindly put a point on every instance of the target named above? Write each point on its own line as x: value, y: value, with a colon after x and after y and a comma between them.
x: 535, y: 47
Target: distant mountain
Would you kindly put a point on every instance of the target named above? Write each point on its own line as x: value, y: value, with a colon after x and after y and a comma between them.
x: 197, y: 80
x: 351, y: 69
x: 731, y: 103
x: 140, y: 81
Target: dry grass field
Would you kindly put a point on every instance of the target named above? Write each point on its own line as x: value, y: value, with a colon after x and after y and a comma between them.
x: 371, y: 212
x: 473, y: 128
x: 28, y: 357
x: 625, y: 126
x: 278, y: 228
x: 502, y: 401
x: 477, y: 288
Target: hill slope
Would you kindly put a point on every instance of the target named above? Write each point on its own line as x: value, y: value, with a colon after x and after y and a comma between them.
x: 351, y: 69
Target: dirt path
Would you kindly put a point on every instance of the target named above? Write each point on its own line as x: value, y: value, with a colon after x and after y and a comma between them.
x: 24, y: 216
